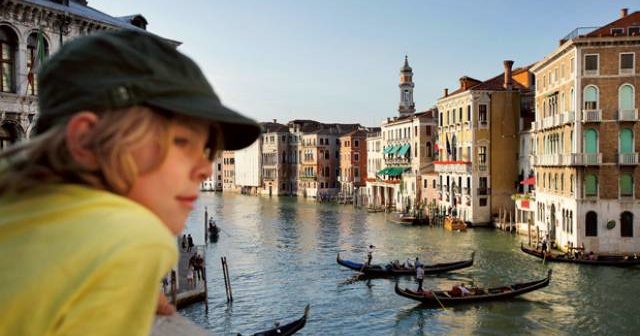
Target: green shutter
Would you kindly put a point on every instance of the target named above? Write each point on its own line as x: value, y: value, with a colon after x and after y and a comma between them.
x: 590, y: 141
x: 626, y: 185
x: 590, y: 185
x: 626, y: 141
x: 626, y: 98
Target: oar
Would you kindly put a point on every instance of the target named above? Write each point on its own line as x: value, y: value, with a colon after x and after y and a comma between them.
x: 441, y: 305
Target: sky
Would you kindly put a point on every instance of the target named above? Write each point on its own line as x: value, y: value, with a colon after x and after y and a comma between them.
x: 339, y: 60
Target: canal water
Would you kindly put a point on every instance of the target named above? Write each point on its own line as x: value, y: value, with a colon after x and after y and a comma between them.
x: 282, y: 255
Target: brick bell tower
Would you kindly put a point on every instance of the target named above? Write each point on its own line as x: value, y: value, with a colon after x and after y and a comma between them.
x: 406, y: 107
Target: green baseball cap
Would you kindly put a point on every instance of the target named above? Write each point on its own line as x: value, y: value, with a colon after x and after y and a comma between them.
x: 119, y: 69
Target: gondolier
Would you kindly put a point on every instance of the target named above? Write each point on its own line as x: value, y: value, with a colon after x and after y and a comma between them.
x: 419, y: 276
x: 370, y: 254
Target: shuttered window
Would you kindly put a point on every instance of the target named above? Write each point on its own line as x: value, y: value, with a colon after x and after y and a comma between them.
x: 626, y: 184
x: 590, y: 186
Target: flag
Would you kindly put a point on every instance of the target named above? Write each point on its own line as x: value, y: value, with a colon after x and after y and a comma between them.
x: 37, y: 58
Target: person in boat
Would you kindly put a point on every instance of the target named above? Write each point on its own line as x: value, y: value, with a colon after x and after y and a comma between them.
x: 417, y: 262
x: 127, y: 129
x: 419, y: 277
x: 407, y: 264
x: 460, y: 290
x: 396, y: 264
x: 592, y: 256
x: 370, y: 254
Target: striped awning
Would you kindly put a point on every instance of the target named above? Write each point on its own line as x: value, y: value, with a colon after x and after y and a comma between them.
x: 404, y: 149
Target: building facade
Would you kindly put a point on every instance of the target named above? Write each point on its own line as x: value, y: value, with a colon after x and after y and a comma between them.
x: 478, y: 143
x: 29, y: 32
x: 586, y: 160
x: 353, y: 162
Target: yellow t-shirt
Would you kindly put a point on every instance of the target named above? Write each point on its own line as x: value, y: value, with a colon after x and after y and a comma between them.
x: 80, y: 261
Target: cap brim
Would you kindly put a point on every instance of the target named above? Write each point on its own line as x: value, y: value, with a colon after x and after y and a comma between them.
x: 238, y: 131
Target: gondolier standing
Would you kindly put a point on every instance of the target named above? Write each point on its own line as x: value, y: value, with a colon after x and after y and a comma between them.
x: 419, y: 276
x: 370, y: 254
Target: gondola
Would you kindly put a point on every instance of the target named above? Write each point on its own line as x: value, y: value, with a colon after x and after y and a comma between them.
x: 621, y: 261
x: 441, y: 298
x: 388, y: 270
x: 287, y: 329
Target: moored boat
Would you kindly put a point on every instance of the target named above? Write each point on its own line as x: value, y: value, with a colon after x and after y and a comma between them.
x: 389, y: 270
x: 604, y: 260
x: 289, y: 328
x: 444, y: 298
x: 454, y: 224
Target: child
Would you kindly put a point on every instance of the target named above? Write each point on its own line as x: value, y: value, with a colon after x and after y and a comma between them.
x: 91, y: 205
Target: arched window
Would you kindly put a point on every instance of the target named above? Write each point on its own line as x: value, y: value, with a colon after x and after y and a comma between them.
x: 562, y: 182
x: 428, y: 149
x: 590, y: 141
x: 590, y: 186
x: 572, y: 103
x: 544, y: 180
x: 590, y: 98
x: 591, y: 224
x: 626, y: 185
x: 8, y: 53
x: 37, y: 51
x: 626, y: 141
x: 571, y: 183
x: 625, y: 98
x: 626, y: 224
x: 555, y: 182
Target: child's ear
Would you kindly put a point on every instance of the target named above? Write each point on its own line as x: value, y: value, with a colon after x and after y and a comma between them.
x: 77, y: 135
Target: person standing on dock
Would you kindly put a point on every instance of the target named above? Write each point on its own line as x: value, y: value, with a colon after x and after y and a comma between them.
x: 190, y: 242
x: 92, y: 203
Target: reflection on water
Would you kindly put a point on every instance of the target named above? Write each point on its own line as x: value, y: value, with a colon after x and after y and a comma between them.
x: 281, y: 254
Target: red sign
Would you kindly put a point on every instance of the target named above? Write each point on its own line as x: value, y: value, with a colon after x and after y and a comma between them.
x: 524, y: 204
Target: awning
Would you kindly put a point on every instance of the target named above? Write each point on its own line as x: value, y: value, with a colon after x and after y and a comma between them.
x: 387, y: 150
x: 529, y: 181
x: 395, y: 171
x: 395, y: 149
x: 382, y: 171
x: 404, y: 149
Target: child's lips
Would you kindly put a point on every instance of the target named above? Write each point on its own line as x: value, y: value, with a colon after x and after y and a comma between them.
x: 187, y: 200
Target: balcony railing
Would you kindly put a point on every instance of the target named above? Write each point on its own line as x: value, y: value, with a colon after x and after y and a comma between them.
x: 571, y: 159
x: 591, y: 159
x: 547, y: 122
x: 549, y: 160
x: 482, y: 167
x: 628, y: 158
x: 533, y: 126
x: 453, y: 167
x: 591, y: 115
x: 628, y: 115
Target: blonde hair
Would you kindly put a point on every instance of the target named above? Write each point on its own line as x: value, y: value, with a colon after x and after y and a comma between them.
x: 45, y: 159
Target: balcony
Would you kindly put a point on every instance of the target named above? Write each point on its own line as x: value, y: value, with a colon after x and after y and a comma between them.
x: 566, y: 117
x: 482, y: 167
x: 628, y: 158
x: 591, y: 115
x: 592, y: 159
x: 628, y: 115
x: 533, y: 159
x: 571, y: 159
x: 549, y: 160
x: 547, y: 122
x: 533, y: 126
x: 462, y: 167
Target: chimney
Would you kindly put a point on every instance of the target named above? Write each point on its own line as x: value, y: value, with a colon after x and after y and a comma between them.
x: 507, y: 74
x: 275, y: 121
x: 624, y: 12
x: 446, y: 92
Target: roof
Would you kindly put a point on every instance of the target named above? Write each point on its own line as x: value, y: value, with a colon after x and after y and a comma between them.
x: 268, y: 127
x: 495, y: 83
x: 77, y: 8
x: 631, y: 20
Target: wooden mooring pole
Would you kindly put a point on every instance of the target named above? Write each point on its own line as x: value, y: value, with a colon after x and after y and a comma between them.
x: 206, y: 296
x: 227, y: 280
x: 206, y: 228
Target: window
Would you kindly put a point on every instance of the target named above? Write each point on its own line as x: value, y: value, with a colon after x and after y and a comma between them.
x: 8, y: 47
x: 440, y: 119
x: 571, y: 183
x: 425, y: 183
x: 626, y: 224
x: 591, y: 64
x: 468, y: 112
x: 356, y: 157
x: 482, y: 154
x: 590, y: 186
x: 482, y: 114
x: 433, y: 185
x: 626, y: 102
x: 356, y: 172
x: 460, y: 115
x: 627, y: 63
x: 32, y: 56
x: 632, y: 31
x: 590, y: 98
x: 626, y: 185
x: 591, y: 224
x: 590, y: 141
x: 483, y: 202
x: 617, y: 31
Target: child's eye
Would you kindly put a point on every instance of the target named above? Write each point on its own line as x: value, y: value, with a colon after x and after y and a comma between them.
x: 179, y: 141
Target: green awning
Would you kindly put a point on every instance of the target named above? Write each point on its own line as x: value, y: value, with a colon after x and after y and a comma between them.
x: 404, y: 150
x: 382, y: 171
x: 387, y: 150
x: 395, y: 149
x: 396, y: 171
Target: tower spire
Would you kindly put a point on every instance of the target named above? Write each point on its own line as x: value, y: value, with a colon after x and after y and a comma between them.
x: 406, y: 106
